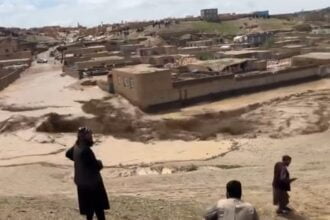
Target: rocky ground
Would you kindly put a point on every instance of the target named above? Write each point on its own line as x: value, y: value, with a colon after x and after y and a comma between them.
x: 171, y: 165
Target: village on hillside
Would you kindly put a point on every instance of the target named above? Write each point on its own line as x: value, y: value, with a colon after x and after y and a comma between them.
x: 178, y: 107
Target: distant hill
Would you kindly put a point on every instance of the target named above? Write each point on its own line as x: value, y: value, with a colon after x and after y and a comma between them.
x: 224, y: 28
x: 322, y: 15
x: 180, y: 27
x: 247, y: 25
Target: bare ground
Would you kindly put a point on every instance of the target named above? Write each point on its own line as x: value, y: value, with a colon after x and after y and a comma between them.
x: 30, y: 208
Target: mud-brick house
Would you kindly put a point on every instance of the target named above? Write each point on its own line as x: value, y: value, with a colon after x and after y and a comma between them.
x: 8, y: 46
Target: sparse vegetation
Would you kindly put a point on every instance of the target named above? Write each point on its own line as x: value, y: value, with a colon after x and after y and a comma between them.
x: 206, y: 56
x: 225, y: 28
x: 188, y: 168
x: 303, y: 27
x: 269, y: 43
x: 227, y: 167
x: 228, y: 28
x: 275, y: 24
x: 122, y: 207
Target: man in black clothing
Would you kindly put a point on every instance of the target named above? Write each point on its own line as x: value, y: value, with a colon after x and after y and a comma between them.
x: 282, y: 185
x: 92, y: 195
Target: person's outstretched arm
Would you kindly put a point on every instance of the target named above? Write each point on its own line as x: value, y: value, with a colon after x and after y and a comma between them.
x: 69, y: 154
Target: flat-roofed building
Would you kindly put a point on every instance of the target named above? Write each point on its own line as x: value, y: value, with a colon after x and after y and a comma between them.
x: 311, y: 59
x: 157, y: 54
x: 81, y: 51
x: 10, y: 50
x: 193, y: 50
x: 8, y: 46
x: 200, y: 43
x: 253, y: 39
x: 210, y: 14
x: 129, y: 49
x: 161, y: 60
x: 228, y: 65
x: 144, y: 85
x: 152, y: 88
x: 105, y: 62
x: 258, y: 54
x: 261, y: 14
x: 152, y: 51
x: 70, y: 59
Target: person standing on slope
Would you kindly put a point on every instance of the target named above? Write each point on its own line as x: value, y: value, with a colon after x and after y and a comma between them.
x: 92, y: 195
x: 282, y: 185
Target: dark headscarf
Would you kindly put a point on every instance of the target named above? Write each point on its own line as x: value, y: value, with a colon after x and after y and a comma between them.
x: 82, y: 139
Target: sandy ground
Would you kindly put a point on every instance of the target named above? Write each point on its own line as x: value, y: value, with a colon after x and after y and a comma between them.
x: 168, y: 178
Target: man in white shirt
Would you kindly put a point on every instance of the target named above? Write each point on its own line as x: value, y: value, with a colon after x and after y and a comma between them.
x: 232, y: 208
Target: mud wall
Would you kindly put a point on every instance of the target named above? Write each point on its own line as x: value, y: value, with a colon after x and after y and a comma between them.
x: 17, y: 55
x: 70, y: 70
x: 8, y: 78
x: 86, y: 57
x: 72, y: 60
x: 144, y: 90
x: 190, y: 93
x: 100, y: 63
x: 232, y: 84
x: 202, y: 43
x: 149, y: 90
x: 15, y: 62
x: 303, y: 61
x: 196, y: 50
x: 324, y: 71
x: 85, y: 50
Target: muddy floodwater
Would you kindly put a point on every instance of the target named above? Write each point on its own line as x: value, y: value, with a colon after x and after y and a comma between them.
x: 179, y: 160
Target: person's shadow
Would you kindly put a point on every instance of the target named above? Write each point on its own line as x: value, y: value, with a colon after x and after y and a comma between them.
x: 293, y: 216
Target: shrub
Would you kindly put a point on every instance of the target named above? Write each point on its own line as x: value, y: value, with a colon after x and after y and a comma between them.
x: 303, y: 27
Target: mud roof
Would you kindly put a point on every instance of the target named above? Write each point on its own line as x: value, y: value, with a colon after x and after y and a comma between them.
x: 14, y: 60
x: 239, y: 52
x: 141, y: 69
x: 319, y: 56
x: 294, y: 46
x: 107, y: 58
x: 216, y: 65
x: 96, y: 46
x: 201, y: 47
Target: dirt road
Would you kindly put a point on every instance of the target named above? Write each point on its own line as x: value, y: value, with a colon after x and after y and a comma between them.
x: 167, y: 175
